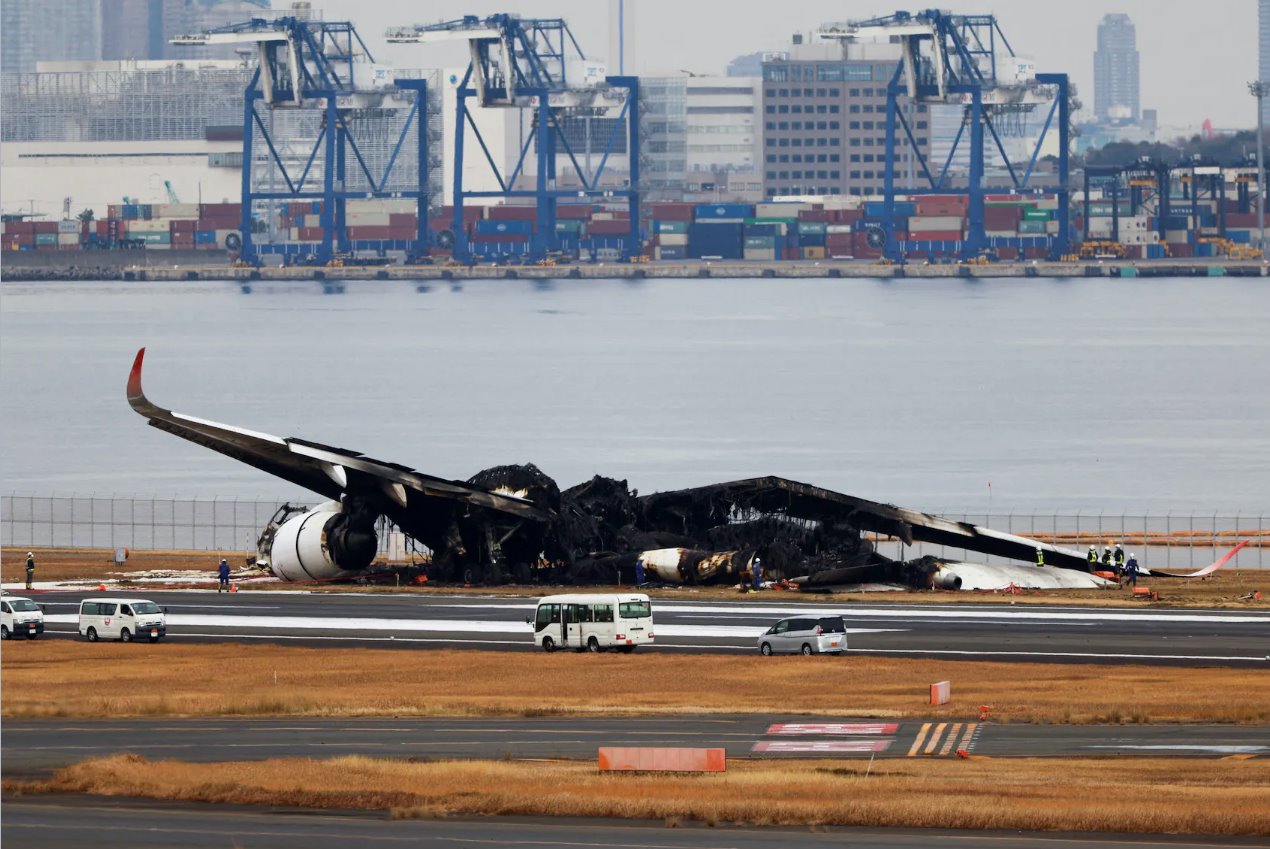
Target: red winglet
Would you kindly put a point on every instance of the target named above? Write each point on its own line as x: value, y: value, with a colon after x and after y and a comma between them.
x: 134, y: 379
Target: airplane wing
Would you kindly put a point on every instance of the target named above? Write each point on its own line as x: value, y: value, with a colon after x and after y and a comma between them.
x: 1210, y: 568
x: 399, y: 492
x: 804, y: 502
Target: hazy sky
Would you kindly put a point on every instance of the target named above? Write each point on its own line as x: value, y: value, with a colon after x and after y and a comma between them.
x: 1195, y: 57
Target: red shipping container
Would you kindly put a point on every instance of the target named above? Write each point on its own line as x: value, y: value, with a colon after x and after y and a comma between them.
x: 574, y: 211
x: 1181, y: 250
x: 221, y: 210
x: 470, y: 213
x: 402, y: 219
x: 1007, y: 254
x: 916, y: 254
x: 1133, y: 252
x: 45, y: 226
x: 311, y: 234
x: 670, y: 211
x: 175, y: 227
x: 814, y: 215
x: 20, y: 228
x: 1035, y: 253
x: 1241, y: 219
x: 608, y: 228
x: 513, y: 213
x: 839, y: 244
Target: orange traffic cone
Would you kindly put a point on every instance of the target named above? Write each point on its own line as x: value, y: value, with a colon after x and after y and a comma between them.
x: 233, y: 589
x: 101, y: 588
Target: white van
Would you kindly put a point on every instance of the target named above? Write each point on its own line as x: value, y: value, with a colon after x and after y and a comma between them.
x: 20, y: 617
x: 593, y: 622
x: 121, y: 619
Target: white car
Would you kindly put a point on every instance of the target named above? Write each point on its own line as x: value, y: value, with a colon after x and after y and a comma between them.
x: 20, y: 617
x: 805, y: 635
x: 121, y: 619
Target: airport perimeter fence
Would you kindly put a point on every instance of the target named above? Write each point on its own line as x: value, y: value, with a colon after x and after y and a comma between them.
x: 1167, y: 541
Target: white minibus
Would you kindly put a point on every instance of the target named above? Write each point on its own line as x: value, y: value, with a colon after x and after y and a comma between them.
x: 121, y: 619
x: 594, y: 622
x: 20, y: 617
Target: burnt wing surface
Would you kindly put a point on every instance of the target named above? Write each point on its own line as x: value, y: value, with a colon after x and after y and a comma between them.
x: 514, y: 522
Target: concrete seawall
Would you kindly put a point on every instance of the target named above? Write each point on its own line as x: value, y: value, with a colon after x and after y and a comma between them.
x: 199, y: 265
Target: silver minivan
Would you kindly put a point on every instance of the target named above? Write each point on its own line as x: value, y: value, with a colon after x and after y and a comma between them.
x: 121, y: 619
x: 805, y: 635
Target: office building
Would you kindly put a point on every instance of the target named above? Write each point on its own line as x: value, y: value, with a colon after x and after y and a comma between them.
x: 824, y: 121
x: 34, y: 31
x: 1116, y: 71
x: 702, y: 138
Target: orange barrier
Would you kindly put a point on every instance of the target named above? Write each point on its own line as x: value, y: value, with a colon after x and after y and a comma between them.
x: 662, y: 760
x: 941, y: 693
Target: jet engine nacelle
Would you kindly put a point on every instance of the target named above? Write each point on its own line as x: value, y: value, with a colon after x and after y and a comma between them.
x: 326, y: 542
x: 943, y: 579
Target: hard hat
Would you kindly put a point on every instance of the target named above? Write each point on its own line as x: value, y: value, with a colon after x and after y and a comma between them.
x: 30, y: 554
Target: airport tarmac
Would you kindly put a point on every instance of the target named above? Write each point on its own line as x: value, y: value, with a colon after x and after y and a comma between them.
x: 73, y: 822
x: 33, y: 746
x: 962, y: 631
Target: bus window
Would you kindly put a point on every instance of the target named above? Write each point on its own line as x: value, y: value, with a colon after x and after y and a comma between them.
x: 580, y: 613
x: 548, y: 614
x: 635, y: 609
x: 602, y: 612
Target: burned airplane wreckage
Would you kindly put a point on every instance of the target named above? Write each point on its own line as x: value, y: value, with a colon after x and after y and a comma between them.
x: 513, y: 523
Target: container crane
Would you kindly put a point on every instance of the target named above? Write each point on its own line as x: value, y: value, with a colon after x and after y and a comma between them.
x: 536, y: 64
x: 963, y: 60
x: 321, y: 74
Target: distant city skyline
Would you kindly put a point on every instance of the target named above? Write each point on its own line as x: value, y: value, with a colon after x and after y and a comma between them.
x: 1116, y: 86
x: 1222, y: 52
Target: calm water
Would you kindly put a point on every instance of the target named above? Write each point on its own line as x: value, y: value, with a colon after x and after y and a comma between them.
x: 1140, y: 395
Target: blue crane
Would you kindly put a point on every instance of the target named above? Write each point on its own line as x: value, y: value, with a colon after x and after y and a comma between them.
x: 536, y: 64
x: 322, y: 70
x: 964, y: 60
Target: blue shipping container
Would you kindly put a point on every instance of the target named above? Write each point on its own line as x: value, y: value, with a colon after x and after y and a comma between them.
x: 721, y: 240
x: 724, y: 210
x: 877, y: 209
x: 673, y: 252
x: 131, y: 211
x: 204, y: 237
x: 1241, y: 237
x: 811, y: 240
x: 490, y: 226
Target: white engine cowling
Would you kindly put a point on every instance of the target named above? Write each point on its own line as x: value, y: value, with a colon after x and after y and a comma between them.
x: 321, y: 544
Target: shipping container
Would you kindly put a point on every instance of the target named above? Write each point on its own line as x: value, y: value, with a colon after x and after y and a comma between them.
x: 672, y: 252
x: 724, y: 210
x: 671, y: 211
x: 759, y: 255
x: 679, y: 240
x: 877, y: 209
x: 918, y: 224
x: 760, y: 242
x: 814, y: 252
x: 661, y: 226
x: 708, y: 239
x: 574, y: 211
x: 610, y: 227
x: 523, y: 227
x: 513, y: 213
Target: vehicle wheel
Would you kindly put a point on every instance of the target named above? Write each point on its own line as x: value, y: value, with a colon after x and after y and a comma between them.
x: 593, y: 645
x: 91, y: 635
x: 806, y: 648
x: 548, y: 644
x: 765, y: 649
x: 125, y: 636
x: 4, y: 632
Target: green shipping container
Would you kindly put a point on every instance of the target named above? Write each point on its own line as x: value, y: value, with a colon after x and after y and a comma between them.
x: 672, y: 226
x: 46, y: 238
x: 569, y: 226
x: 812, y: 227
x: 1036, y: 214
x: 760, y: 242
x: 1027, y: 226
x: 152, y: 238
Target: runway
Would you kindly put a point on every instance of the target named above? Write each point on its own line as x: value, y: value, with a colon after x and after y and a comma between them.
x: 33, y: 746
x: 71, y: 823
x: 955, y: 631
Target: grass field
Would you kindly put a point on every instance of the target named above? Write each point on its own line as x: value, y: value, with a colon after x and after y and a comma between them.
x: 71, y: 678
x: 1224, y: 797
x: 1223, y: 590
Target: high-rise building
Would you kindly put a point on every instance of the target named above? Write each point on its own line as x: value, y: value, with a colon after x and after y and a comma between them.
x: 132, y: 30
x: 824, y: 121
x: 1116, y: 70
x: 48, y: 30
x: 701, y: 137
x: 1263, y: 30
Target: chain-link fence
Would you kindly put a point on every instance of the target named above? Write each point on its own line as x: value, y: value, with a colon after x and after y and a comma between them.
x: 1169, y: 541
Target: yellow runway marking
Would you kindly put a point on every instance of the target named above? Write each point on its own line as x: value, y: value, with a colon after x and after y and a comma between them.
x: 921, y: 735
x: 970, y: 733
x: 934, y: 738
x: 949, y: 740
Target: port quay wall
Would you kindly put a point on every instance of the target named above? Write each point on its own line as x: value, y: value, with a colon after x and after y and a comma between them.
x: 1179, y: 540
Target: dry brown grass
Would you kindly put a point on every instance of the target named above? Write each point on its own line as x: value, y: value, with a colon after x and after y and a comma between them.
x: 64, y: 678
x: 1222, y: 590
x: 1226, y: 797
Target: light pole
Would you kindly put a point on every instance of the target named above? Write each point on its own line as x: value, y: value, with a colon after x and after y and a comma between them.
x: 1259, y: 90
